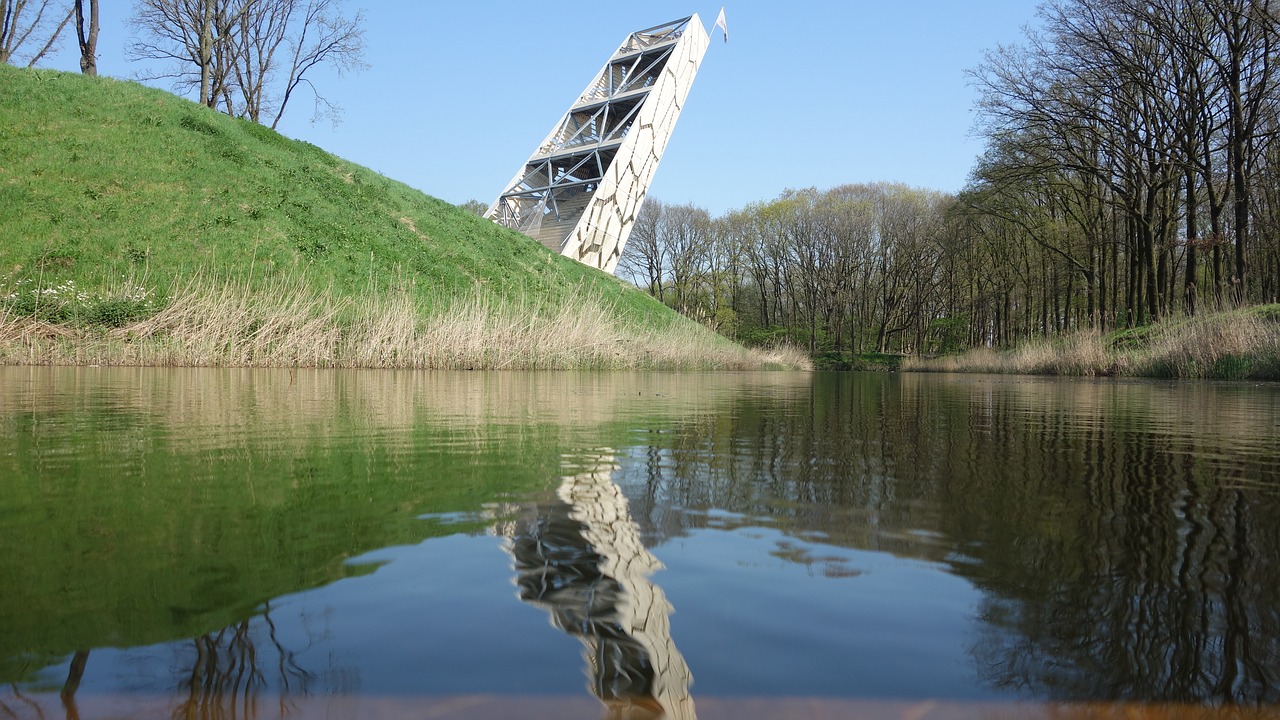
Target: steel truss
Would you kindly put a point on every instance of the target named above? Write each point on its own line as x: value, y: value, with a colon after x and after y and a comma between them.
x: 579, y: 191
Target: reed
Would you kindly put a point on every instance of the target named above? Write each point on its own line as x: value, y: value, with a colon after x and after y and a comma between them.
x: 1238, y: 344
x: 1082, y: 353
x: 288, y: 324
x: 1234, y: 345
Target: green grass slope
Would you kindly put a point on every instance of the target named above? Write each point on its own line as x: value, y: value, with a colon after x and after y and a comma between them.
x: 111, y: 184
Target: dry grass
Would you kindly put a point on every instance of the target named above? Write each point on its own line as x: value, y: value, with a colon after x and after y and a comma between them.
x: 209, y: 324
x: 1229, y: 345
x: 1079, y: 354
x: 1232, y: 345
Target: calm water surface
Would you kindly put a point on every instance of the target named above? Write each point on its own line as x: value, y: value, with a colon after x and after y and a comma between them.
x: 235, y: 543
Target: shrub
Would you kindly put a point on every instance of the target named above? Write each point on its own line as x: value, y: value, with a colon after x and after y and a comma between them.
x: 115, y: 312
x: 68, y: 304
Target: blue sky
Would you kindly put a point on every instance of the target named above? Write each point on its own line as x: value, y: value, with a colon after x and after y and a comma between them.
x: 805, y: 93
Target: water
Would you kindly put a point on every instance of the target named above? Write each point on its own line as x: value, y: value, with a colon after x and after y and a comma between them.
x: 250, y: 543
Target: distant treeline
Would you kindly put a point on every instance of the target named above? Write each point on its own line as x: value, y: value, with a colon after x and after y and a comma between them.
x: 1131, y: 172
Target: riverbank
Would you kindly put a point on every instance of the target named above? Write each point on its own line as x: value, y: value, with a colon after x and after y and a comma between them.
x: 1234, y: 345
x: 289, y: 325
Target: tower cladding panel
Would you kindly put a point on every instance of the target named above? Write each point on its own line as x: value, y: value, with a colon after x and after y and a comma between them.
x: 580, y: 191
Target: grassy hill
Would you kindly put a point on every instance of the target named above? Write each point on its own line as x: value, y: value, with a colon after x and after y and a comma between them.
x: 130, y: 216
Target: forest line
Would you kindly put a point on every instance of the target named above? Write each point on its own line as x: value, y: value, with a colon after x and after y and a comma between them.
x: 1131, y: 173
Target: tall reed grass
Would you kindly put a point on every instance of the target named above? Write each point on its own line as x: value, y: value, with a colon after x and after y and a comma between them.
x: 1235, y: 345
x: 1239, y: 344
x: 286, y: 324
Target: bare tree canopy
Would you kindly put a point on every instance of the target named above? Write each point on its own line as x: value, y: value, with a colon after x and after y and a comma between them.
x: 248, y: 57
x: 1136, y: 142
x: 644, y: 256
x: 25, y: 22
x: 475, y: 207
x: 853, y: 267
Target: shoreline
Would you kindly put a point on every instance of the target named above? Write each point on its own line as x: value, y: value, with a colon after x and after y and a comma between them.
x: 1230, y: 345
x: 290, y: 327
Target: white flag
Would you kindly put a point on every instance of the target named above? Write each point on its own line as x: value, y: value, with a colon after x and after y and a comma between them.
x: 720, y: 24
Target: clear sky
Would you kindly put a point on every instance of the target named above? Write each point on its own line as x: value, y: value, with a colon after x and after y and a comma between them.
x: 805, y: 93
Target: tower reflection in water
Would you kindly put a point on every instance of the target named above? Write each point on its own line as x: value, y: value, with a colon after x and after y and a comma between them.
x: 580, y: 558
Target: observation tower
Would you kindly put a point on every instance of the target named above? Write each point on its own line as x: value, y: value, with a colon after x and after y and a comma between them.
x: 581, y: 189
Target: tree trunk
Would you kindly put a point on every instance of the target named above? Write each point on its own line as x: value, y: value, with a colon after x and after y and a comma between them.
x: 1239, y: 147
x: 1133, y: 293
x: 1189, y: 280
x: 1241, y: 230
x: 1066, y: 305
x: 1152, y: 281
x: 88, y: 39
x: 75, y: 673
x: 207, y: 94
x: 1149, y: 261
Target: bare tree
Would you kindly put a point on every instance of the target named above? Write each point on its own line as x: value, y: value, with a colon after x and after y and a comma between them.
x: 324, y: 37
x: 248, y: 57
x: 644, y: 258
x: 670, y: 253
x: 29, y: 20
x: 685, y: 236
x: 475, y: 207
x: 192, y: 37
x: 1245, y: 55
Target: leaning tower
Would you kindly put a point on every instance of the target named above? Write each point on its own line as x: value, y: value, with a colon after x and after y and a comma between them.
x: 580, y: 191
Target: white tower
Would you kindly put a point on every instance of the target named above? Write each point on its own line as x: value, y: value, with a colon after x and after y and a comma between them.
x: 580, y: 191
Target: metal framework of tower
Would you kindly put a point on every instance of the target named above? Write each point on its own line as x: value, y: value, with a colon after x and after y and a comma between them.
x: 580, y: 191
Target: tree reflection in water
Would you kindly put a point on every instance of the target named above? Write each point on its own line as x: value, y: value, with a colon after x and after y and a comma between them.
x: 224, y: 673
x: 231, y: 674
x: 1124, y: 535
x: 581, y: 559
x: 1121, y: 557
